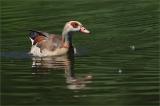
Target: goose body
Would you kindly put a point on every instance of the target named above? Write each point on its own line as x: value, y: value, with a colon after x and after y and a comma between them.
x: 45, y: 44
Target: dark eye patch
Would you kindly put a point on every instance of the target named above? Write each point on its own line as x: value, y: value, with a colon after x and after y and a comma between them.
x: 74, y: 24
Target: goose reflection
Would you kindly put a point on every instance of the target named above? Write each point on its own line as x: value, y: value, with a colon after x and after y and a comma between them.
x: 42, y: 65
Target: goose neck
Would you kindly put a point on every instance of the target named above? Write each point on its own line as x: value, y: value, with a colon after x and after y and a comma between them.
x: 67, y: 37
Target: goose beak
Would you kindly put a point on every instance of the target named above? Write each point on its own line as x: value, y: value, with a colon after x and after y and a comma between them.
x: 84, y: 30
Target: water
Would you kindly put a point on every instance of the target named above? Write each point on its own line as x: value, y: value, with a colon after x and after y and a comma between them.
x: 117, y: 65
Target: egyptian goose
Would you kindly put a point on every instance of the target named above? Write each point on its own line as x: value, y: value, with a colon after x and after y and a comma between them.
x: 45, y: 44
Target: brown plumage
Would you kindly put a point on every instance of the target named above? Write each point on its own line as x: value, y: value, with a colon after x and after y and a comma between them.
x: 49, y: 43
x: 38, y: 39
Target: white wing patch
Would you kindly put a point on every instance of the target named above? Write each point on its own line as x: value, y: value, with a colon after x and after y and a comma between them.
x: 31, y: 40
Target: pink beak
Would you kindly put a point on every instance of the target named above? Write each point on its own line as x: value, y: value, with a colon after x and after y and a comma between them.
x: 84, y: 30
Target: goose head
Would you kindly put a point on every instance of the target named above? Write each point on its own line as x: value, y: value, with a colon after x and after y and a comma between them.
x: 75, y: 26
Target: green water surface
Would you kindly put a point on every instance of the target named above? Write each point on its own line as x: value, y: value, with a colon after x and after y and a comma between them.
x: 120, y: 56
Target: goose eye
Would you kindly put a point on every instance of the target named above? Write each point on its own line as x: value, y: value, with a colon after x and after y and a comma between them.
x: 74, y: 24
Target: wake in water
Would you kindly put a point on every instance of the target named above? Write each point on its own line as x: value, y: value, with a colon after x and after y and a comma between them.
x: 15, y: 55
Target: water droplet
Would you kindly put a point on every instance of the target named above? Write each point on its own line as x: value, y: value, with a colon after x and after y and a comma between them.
x: 132, y: 47
x: 120, y: 71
